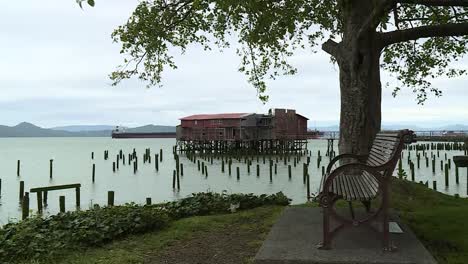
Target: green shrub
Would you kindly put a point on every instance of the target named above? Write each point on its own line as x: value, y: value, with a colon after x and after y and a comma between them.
x: 38, y: 237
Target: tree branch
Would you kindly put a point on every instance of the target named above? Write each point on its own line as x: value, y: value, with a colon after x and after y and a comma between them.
x: 436, y: 2
x: 331, y: 47
x: 374, y: 19
x: 444, y: 30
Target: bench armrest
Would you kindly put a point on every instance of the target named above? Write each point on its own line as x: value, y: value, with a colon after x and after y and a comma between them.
x: 359, y: 158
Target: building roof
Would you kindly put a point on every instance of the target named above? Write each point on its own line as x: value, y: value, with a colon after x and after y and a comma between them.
x: 216, y: 116
x: 302, y: 116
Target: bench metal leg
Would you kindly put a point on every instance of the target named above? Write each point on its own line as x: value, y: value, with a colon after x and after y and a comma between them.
x: 326, y: 242
x: 367, y: 205
x: 387, y: 246
x: 350, y: 204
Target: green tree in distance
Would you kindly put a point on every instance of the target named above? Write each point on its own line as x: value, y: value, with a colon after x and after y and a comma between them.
x: 414, y: 40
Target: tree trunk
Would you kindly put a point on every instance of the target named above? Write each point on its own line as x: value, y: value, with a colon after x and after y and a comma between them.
x: 360, y: 86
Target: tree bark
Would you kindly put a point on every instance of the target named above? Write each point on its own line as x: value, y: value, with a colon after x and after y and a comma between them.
x: 361, y: 90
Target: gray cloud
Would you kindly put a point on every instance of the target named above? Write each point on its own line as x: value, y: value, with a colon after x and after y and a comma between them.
x: 55, y: 58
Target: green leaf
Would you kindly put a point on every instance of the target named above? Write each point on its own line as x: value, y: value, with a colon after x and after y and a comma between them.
x: 91, y: 2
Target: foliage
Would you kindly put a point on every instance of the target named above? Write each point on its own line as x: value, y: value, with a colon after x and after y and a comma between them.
x: 205, y: 203
x: 148, y: 247
x: 268, y: 33
x: 38, y: 237
x: 90, y: 2
x: 401, y: 173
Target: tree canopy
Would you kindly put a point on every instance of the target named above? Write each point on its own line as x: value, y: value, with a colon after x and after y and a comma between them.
x: 420, y: 38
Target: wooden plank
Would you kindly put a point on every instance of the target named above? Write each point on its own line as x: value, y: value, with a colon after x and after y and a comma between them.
x: 55, y: 187
x: 367, y: 189
x: 387, y: 138
x: 357, y: 189
x: 349, y: 189
x: 374, y: 161
x: 371, y: 181
x: 384, y: 145
x: 379, y: 149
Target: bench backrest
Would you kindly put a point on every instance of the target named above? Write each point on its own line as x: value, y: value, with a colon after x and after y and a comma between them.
x: 386, y: 149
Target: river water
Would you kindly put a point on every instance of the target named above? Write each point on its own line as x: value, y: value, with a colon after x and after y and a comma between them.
x: 73, y: 164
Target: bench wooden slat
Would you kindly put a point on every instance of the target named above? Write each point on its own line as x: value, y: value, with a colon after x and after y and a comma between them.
x: 352, y: 194
x: 369, y: 193
x: 384, y: 144
x: 386, y: 150
x: 387, y: 138
x: 357, y: 188
x: 373, y: 184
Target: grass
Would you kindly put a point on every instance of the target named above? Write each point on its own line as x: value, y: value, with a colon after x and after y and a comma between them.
x: 140, y: 248
x: 440, y: 221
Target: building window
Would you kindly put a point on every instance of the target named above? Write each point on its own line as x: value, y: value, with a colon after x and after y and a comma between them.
x: 196, y: 122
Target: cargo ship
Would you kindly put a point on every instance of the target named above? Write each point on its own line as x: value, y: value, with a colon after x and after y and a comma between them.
x: 120, y: 133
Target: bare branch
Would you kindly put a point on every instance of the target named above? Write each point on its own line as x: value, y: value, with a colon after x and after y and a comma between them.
x: 444, y: 30
x: 436, y: 2
x: 331, y: 47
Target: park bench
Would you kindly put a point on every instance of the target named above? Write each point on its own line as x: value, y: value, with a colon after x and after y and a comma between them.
x: 363, y: 179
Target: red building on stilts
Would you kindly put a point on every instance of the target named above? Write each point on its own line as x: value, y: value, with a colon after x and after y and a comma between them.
x: 281, y: 130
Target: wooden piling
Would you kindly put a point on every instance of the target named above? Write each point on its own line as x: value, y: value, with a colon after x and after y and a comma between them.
x: 446, y: 175
x: 25, y: 206
x: 39, y: 202
x: 238, y: 173
x: 289, y: 172
x: 21, y: 191
x: 62, y: 203
x: 110, y: 198
x: 78, y: 197
x: 173, y: 179
x: 45, y: 198
x: 51, y: 168
x: 156, y: 162
x: 18, y: 164
x: 178, y: 182
x: 94, y: 172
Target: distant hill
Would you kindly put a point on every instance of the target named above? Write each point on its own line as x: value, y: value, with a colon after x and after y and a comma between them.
x: 30, y: 130
x: 83, y: 128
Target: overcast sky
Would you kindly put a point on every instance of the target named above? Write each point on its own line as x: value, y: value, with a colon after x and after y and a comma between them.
x: 55, y: 59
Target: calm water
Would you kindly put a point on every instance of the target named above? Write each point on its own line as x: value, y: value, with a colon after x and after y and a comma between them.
x: 73, y: 164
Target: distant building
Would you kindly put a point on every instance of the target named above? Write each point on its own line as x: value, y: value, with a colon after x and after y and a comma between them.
x: 279, y: 129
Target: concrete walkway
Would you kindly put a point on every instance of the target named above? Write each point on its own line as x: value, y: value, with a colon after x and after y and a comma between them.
x: 294, y: 237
